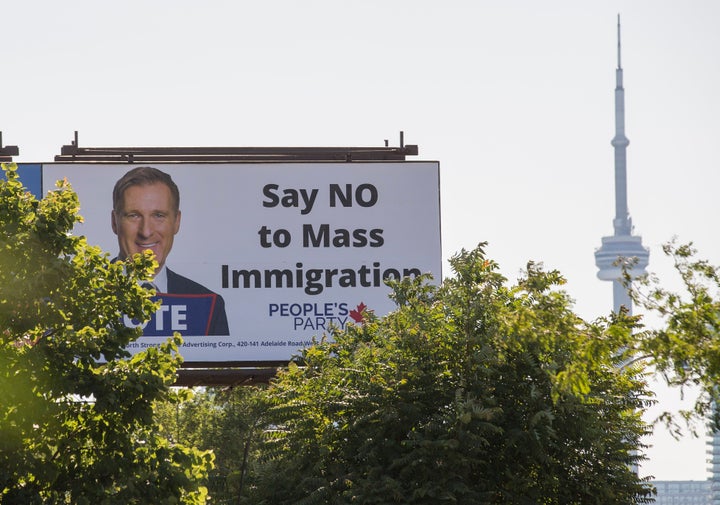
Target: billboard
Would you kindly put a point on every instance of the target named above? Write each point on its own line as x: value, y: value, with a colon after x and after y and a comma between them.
x: 264, y: 256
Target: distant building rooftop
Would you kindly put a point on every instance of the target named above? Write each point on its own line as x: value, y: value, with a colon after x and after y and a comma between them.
x: 683, y: 492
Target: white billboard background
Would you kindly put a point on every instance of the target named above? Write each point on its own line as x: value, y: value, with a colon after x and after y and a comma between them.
x: 224, y: 207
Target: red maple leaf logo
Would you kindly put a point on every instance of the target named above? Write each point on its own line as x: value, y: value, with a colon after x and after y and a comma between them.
x: 358, y: 315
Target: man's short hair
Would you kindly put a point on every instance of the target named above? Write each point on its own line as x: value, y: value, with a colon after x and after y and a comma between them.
x: 143, y: 176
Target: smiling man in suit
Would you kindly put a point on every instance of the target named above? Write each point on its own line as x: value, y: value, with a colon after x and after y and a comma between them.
x: 146, y: 216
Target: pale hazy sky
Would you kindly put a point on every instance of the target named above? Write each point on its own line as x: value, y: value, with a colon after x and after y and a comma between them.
x: 514, y: 98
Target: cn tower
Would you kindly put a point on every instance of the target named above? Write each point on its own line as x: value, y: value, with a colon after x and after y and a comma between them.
x: 622, y: 245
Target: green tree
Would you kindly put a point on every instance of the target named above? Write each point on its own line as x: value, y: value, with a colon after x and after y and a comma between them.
x: 475, y: 392
x: 685, y: 347
x: 227, y: 421
x: 76, y: 410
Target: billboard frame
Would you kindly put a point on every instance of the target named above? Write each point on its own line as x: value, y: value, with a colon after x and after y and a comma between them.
x: 231, y: 373
x: 73, y: 153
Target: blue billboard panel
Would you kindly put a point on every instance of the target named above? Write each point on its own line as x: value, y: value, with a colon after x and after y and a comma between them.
x: 31, y: 177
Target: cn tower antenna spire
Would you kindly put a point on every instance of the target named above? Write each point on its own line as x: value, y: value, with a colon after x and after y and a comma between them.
x: 619, y: 52
x: 622, y: 222
x: 622, y: 245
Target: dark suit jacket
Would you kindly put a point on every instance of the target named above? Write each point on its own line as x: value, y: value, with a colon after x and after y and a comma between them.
x: 179, y: 285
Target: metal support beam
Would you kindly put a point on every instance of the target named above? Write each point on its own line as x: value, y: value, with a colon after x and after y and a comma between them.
x: 73, y: 153
x: 190, y: 377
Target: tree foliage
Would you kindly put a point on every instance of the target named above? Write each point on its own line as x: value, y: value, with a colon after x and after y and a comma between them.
x: 685, y: 346
x: 229, y: 422
x: 76, y: 411
x: 473, y: 392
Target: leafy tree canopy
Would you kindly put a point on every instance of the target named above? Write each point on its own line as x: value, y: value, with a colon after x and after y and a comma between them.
x: 76, y: 415
x: 473, y: 392
x: 228, y: 421
x: 685, y: 346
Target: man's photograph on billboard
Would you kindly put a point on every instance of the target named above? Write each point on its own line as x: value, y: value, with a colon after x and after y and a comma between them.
x: 256, y: 259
